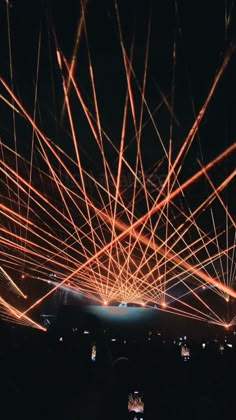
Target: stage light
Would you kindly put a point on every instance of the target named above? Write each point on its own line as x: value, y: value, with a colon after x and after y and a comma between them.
x: 105, y: 302
x: 227, y: 299
x: 122, y: 305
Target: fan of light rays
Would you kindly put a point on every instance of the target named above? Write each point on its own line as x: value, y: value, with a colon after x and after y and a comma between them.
x: 10, y: 314
x: 126, y: 236
x: 7, y: 282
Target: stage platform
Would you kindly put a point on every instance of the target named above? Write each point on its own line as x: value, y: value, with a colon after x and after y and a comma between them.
x: 124, y: 315
x: 126, y: 319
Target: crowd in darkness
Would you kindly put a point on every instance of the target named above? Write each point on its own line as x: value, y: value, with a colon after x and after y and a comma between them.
x: 54, y: 375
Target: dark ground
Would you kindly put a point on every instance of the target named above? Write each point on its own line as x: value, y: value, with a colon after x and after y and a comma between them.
x: 51, y: 375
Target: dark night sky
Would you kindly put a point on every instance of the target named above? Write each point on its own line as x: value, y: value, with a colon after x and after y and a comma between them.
x: 197, y: 27
x: 201, y: 37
